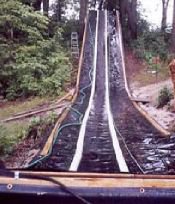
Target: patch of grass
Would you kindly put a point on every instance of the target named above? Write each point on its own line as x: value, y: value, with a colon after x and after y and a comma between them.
x: 39, y: 124
x: 10, y: 135
x: 13, y: 133
x: 145, y: 78
x: 15, y: 107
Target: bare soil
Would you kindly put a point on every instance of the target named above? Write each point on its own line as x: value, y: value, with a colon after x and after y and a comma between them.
x: 146, y: 87
x: 33, y: 141
x: 27, y: 149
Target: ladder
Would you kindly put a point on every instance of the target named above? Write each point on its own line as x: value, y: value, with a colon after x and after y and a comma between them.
x: 74, y: 45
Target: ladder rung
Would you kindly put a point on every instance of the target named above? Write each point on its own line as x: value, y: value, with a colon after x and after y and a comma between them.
x: 74, y: 45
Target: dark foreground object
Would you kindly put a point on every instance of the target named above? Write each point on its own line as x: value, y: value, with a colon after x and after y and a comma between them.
x: 53, y: 188
x: 119, y: 196
x: 28, y: 194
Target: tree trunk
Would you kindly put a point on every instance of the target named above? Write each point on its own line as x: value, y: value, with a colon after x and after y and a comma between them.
x: 132, y: 18
x: 37, y: 5
x: 164, y: 14
x: 58, y: 14
x: 46, y: 7
x: 27, y: 2
x: 112, y: 5
x: 59, y: 8
x: 123, y: 11
x: 11, y: 34
x: 128, y: 18
x: 82, y: 15
x: 93, y: 4
x: 173, y: 30
x: 83, y: 10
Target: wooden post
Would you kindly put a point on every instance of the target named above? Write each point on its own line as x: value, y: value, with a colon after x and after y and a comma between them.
x: 172, y: 71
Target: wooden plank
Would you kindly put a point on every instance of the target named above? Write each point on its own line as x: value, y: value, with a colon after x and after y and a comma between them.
x: 40, y: 110
x: 96, y: 180
x: 54, y: 132
x: 142, y: 100
x: 144, y: 113
x: 151, y: 120
x: 34, y: 113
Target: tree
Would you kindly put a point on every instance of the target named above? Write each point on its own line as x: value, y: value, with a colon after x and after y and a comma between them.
x: 173, y: 30
x: 31, y: 61
x: 132, y: 18
x: 123, y: 11
x: 129, y: 19
x: 164, y: 14
x: 58, y: 9
x: 82, y: 15
x: 19, y: 24
x: 46, y: 7
x: 27, y: 2
x: 112, y: 4
x: 37, y: 5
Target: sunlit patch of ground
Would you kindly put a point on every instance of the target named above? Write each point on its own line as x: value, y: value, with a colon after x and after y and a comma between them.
x: 7, y: 109
x: 149, y: 76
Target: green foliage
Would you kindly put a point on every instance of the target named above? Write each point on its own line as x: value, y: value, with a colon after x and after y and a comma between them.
x: 38, y: 125
x: 164, y: 97
x: 31, y: 63
x: 10, y: 135
x: 58, y: 9
x: 40, y: 69
x: 49, y: 119
x: 69, y: 27
x: 151, y: 43
x: 17, y: 19
x: 4, y: 142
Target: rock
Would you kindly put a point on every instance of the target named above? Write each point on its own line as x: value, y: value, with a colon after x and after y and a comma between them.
x: 167, y: 146
x: 158, y: 164
x: 148, y: 166
x: 147, y: 140
x: 153, y: 158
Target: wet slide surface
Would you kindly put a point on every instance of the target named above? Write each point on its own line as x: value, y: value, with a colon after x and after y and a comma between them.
x: 98, y: 152
x: 103, y: 131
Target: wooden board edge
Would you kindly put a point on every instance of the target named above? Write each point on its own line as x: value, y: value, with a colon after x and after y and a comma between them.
x: 54, y: 132
x: 143, y: 113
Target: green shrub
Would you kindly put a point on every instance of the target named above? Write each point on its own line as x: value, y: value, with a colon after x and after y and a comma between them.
x: 152, y: 42
x: 164, y: 97
x: 31, y: 62
x: 10, y: 135
x: 39, y: 124
x: 38, y: 70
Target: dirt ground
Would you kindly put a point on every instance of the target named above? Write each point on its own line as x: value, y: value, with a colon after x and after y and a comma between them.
x: 27, y: 147
x: 146, y: 87
x: 163, y: 116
